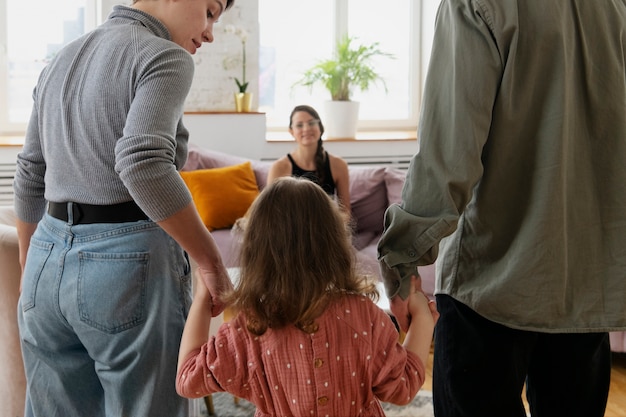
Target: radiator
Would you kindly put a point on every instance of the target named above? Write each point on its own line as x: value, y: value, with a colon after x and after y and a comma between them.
x: 393, y: 161
x: 7, y: 172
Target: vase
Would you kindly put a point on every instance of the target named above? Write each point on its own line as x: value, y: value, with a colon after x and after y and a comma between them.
x: 243, y: 102
x: 341, y: 118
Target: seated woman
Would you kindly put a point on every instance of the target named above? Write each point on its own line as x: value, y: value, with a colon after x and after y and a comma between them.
x: 310, y: 160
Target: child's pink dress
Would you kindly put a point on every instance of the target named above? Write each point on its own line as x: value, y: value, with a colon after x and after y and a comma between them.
x: 343, y: 369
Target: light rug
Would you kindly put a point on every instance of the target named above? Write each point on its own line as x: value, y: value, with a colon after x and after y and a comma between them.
x: 421, y: 406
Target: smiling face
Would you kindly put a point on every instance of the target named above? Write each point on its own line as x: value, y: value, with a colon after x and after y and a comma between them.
x: 190, y: 22
x: 305, y: 128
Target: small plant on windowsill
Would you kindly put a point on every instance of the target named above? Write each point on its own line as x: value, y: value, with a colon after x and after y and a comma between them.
x: 242, y: 34
x: 351, y: 67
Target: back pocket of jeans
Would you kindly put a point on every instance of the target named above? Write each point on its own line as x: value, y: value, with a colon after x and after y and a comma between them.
x: 38, y: 254
x: 112, y: 290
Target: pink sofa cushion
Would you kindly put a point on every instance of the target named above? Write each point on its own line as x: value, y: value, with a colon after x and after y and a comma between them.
x: 372, y: 190
x: 394, y: 181
x: 618, y: 341
x: 368, y: 198
x: 12, y: 378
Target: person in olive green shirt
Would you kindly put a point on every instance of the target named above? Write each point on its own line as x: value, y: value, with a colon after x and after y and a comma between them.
x: 518, y: 192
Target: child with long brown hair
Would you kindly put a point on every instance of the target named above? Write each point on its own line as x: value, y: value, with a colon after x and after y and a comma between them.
x: 306, y: 337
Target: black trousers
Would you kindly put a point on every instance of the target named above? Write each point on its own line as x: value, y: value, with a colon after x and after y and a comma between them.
x: 480, y: 368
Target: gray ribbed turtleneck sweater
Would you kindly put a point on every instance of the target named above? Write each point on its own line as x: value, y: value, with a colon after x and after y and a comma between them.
x: 106, y: 122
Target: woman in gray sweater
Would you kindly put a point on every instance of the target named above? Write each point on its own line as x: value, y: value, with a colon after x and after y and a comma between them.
x: 105, y: 220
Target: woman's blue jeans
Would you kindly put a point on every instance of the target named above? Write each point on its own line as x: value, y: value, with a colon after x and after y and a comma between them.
x: 101, y: 315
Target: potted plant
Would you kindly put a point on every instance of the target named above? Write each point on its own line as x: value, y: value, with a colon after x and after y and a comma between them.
x: 350, y: 68
x: 242, y: 97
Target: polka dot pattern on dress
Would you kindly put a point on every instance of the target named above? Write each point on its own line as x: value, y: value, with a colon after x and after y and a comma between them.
x: 319, y: 347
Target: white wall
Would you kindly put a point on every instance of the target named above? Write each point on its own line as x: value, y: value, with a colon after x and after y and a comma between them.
x: 244, y: 135
x: 238, y: 134
x: 220, y: 62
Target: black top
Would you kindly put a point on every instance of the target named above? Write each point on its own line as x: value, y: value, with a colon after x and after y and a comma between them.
x: 329, y: 184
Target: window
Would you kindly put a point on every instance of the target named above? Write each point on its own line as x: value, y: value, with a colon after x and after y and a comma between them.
x: 36, y: 30
x: 290, y: 45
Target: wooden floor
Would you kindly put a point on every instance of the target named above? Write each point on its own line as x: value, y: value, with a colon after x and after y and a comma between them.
x: 616, y: 406
x: 617, y: 394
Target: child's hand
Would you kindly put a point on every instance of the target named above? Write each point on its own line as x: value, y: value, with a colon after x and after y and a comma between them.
x: 418, y: 303
x: 424, y: 315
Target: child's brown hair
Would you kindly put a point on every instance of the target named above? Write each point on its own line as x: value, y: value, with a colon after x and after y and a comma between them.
x: 296, y: 257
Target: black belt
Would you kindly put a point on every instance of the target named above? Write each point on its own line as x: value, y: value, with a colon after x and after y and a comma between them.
x: 88, y: 213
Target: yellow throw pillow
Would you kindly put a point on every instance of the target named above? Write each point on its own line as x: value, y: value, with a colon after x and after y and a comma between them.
x: 222, y: 195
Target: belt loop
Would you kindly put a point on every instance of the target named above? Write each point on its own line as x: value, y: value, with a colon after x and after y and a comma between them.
x: 74, y: 213
x: 70, y: 212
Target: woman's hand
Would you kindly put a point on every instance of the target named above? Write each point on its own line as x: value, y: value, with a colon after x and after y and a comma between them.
x: 216, y: 282
x: 400, y: 310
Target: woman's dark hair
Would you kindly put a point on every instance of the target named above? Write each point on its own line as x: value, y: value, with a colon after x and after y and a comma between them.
x: 320, y: 155
x: 296, y: 258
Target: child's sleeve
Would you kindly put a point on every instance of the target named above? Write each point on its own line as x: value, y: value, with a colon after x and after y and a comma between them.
x: 221, y: 364
x: 401, y: 373
x: 194, y: 378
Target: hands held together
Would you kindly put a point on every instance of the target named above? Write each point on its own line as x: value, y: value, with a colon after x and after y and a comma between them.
x: 212, y: 284
x: 416, y: 304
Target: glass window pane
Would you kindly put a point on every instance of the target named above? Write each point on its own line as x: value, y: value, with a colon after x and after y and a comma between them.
x: 310, y: 26
x: 387, y: 23
x: 36, y: 30
x: 293, y: 35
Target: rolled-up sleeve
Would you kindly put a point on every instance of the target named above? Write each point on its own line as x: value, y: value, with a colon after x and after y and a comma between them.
x: 454, y: 127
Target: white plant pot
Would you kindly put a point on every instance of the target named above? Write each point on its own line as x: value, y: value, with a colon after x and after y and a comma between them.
x: 340, y: 119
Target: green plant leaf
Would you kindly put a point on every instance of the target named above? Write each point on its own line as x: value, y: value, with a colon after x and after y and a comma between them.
x: 351, y: 67
x: 242, y: 86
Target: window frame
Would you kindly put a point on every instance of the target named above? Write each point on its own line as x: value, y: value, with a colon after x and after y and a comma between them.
x: 5, y: 128
x: 417, y: 39
x: 93, y: 15
x: 421, y: 28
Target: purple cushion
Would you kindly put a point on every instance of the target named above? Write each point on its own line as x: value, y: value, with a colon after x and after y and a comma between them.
x: 364, y: 239
x: 367, y: 262
x: 368, y: 198
x: 228, y: 242
x: 394, y: 181
x: 202, y: 158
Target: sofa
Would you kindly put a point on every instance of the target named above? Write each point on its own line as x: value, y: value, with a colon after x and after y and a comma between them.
x: 372, y: 190
x: 223, y: 187
x: 12, y: 379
